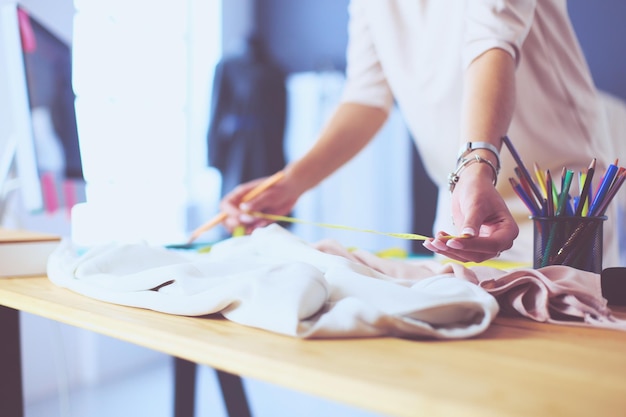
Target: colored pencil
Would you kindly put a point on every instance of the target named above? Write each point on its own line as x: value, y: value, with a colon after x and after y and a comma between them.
x: 567, y: 183
x: 524, y: 184
x: 584, y: 193
x: 619, y: 180
x: 604, y: 187
x: 523, y: 169
x: 523, y: 195
x: 549, y: 198
x: 541, y: 179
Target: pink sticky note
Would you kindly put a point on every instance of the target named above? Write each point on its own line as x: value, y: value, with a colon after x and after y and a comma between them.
x: 29, y: 42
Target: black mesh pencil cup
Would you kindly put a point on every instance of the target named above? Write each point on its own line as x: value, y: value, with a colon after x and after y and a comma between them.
x: 568, y: 240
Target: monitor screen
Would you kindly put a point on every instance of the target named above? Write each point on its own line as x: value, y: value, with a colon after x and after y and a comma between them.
x: 37, y: 116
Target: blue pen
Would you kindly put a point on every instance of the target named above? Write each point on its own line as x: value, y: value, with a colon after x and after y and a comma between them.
x: 607, y: 180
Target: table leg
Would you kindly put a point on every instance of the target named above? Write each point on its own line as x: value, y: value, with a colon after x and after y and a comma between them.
x: 11, y: 392
x: 231, y: 386
x: 234, y: 394
x: 184, y: 388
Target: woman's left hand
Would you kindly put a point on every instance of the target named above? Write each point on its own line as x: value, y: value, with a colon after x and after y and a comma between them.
x: 485, y: 224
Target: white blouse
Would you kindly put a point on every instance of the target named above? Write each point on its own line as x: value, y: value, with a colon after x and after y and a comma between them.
x: 413, y: 53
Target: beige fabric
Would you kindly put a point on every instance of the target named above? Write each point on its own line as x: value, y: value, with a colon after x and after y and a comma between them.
x: 554, y: 294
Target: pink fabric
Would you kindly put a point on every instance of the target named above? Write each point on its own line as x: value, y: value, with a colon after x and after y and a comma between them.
x: 554, y: 294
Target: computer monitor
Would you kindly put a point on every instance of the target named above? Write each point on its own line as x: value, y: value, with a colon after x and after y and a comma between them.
x: 38, y: 130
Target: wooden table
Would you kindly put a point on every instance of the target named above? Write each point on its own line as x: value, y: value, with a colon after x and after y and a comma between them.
x: 516, y: 368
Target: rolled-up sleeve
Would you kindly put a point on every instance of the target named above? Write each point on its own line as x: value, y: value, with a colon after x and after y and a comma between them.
x: 500, y: 24
x: 365, y: 80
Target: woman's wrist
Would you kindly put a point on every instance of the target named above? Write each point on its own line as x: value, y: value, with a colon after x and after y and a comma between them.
x: 484, y: 149
x: 479, y: 155
x: 474, y: 165
x: 300, y: 178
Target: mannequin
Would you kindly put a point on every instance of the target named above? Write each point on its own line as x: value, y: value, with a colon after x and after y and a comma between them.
x: 248, y: 112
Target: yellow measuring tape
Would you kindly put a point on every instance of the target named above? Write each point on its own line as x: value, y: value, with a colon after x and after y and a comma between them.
x: 386, y: 253
x: 391, y: 252
x: 407, y: 236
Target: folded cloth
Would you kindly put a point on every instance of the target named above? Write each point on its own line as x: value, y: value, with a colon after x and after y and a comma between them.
x: 554, y: 294
x: 275, y: 281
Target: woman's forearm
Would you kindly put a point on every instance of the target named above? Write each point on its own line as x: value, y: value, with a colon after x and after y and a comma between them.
x: 488, y: 98
x: 349, y: 130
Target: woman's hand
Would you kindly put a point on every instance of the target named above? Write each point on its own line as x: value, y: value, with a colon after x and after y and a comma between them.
x: 349, y: 130
x: 481, y: 217
x: 278, y: 199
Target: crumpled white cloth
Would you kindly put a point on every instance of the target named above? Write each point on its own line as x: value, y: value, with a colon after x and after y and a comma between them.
x: 273, y: 280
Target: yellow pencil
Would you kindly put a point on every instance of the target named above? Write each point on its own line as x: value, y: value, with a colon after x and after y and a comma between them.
x: 541, y: 179
x: 249, y: 196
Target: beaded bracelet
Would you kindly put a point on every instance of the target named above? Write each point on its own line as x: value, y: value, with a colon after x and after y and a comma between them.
x: 453, y: 177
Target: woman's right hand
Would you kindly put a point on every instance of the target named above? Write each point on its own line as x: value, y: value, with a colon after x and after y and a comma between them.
x: 350, y: 129
x: 279, y: 199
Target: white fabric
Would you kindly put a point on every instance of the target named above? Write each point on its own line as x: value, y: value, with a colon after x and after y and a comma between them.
x: 275, y: 281
x: 415, y: 52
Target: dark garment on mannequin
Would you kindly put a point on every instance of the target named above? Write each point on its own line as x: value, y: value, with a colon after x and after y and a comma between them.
x: 247, y: 124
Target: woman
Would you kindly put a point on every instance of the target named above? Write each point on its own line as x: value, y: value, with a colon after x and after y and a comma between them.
x: 464, y: 74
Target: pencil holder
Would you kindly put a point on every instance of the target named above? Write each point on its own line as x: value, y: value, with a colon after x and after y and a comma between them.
x: 568, y: 240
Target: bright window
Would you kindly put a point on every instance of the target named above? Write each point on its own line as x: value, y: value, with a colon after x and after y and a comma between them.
x: 142, y: 77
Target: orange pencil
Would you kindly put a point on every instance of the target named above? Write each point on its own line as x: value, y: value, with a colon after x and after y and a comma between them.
x: 249, y: 196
